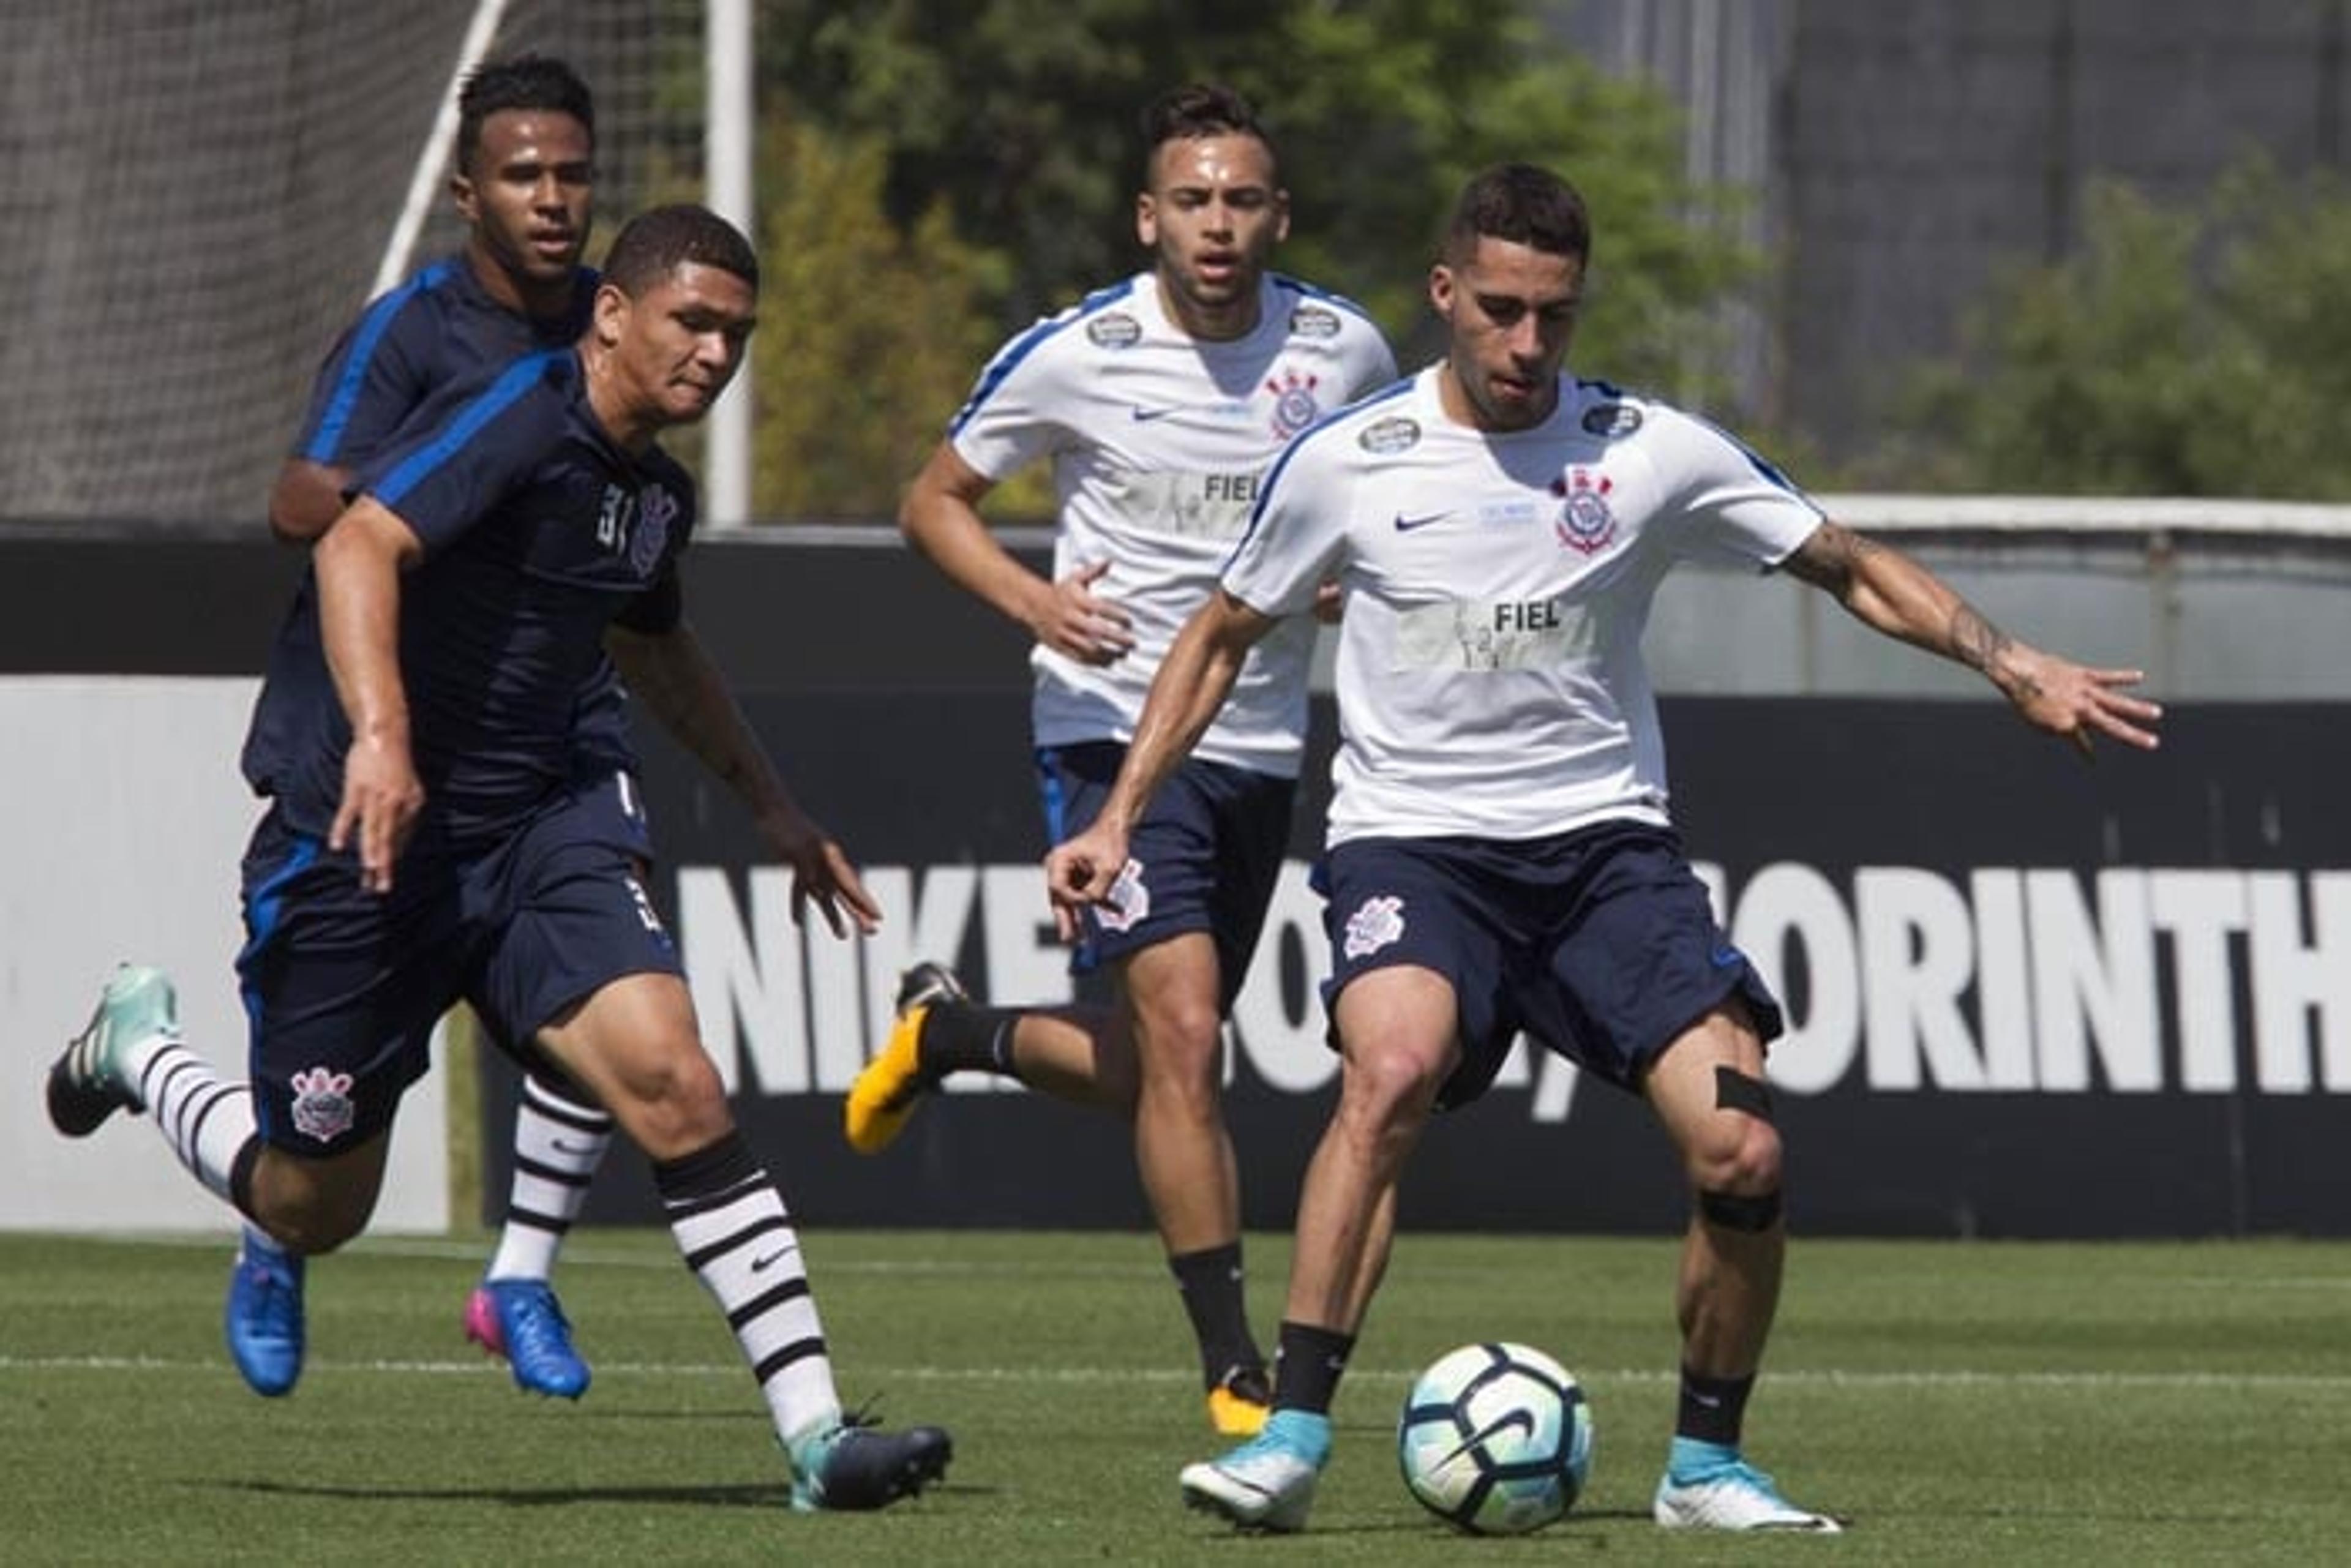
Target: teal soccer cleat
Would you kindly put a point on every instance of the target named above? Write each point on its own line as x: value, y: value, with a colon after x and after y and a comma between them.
x: 86, y: 1083
x: 1709, y: 1487
x: 850, y: 1466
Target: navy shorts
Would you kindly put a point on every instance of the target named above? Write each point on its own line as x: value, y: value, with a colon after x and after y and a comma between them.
x: 1599, y: 943
x: 343, y: 988
x: 1205, y: 857
x: 613, y: 806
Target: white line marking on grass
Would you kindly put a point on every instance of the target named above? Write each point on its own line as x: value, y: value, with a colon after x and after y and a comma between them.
x: 1086, y: 1375
x: 579, y: 1255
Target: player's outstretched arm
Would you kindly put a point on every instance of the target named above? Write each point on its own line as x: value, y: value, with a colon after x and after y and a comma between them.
x: 358, y: 565
x: 674, y: 675
x: 1887, y: 591
x: 1186, y: 694
x: 940, y: 517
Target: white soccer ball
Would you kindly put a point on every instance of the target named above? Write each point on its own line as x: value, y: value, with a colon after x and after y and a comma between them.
x: 1496, y: 1438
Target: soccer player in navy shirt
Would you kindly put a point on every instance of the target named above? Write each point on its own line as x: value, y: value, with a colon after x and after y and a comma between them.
x: 427, y: 840
x: 523, y: 185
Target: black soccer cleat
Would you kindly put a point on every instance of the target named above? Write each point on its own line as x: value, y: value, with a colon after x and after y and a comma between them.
x: 856, y: 1468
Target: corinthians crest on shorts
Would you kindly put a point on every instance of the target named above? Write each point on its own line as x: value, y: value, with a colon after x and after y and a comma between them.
x: 1128, y: 902
x: 323, y: 1107
x: 1376, y: 923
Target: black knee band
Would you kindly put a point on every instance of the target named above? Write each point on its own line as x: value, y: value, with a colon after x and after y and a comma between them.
x: 711, y: 1173
x: 1735, y: 1091
x: 1736, y: 1211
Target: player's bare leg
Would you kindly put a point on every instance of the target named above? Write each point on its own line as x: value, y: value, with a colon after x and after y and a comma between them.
x: 1082, y: 1054
x: 132, y: 1057
x: 1183, y: 1154
x: 1708, y: 1091
x: 1079, y: 1054
x: 1399, y: 1025
x: 635, y: 1046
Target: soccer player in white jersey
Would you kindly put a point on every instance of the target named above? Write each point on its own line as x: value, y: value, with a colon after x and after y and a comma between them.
x: 1159, y: 402
x: 1500, y: 858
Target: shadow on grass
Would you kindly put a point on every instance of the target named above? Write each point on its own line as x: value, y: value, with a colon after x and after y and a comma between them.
x: 760, y: 1496
x: 1432, y: 1529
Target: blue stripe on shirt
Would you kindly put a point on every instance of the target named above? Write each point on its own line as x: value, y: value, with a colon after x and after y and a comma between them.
x: 513, y: 383
x: 1764, y: 468
x: 327, y: 439
x: 1020, y: 347
x: 1281, y: 460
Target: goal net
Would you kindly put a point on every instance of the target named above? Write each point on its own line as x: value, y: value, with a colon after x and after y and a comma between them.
x: 196, y: 198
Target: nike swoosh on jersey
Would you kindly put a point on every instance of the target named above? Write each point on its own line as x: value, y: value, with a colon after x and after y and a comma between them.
x: 1405, y: 525
x: 1142, y: 414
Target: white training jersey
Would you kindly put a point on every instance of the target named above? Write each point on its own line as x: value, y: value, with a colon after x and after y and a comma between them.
x: 1158, y: 442
x: 1490, y: 682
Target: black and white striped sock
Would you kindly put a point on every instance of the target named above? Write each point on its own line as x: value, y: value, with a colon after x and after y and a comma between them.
x: 207, y: 1121
x: 559, y: 1143
x: 731, y: 1224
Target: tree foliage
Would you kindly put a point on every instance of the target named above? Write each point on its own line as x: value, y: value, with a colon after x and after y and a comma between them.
x: 869, y: 332
x: 1021, y: 116
x: 2198, y: 349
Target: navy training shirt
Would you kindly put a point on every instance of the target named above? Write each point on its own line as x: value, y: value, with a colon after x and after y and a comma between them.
x: 437, y: 330
x: 538, y: 533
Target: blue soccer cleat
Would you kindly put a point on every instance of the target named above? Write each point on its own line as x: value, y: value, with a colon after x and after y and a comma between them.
x: 1708, y: 1486
x: 521, y: 1320
x: 1267, y: 1483
x: 851, y: 1466
x: 264, y: 1317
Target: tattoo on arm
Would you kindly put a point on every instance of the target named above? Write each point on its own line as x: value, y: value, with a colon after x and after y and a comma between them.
x: 1978, y: 644
x: 1827, y: 560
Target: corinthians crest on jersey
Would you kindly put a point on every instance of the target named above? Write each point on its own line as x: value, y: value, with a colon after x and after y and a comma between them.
x: 1496, y: 583
x: 1294, y: 407
x: 1585, y: 523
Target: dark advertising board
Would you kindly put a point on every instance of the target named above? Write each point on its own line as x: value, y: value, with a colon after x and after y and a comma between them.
x: 2029, y: 995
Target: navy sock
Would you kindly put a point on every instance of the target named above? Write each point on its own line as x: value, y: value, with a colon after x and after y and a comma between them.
x: 1307, y: 1368
x: 1209, y: 1281
x: 963, y: 1036
x: 1712, y: 1409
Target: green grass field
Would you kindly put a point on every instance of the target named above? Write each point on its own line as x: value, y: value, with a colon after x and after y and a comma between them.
x: 1957, y: 1403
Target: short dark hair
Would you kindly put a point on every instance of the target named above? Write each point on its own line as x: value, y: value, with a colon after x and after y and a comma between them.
x: 656, y: 243
x: 1199, y: 109
x: 525, y: 81
x: 1523, y: 204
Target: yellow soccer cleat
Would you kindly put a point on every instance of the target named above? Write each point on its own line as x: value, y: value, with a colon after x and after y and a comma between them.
x: 1238, y: 1405
x: 894, y: 1084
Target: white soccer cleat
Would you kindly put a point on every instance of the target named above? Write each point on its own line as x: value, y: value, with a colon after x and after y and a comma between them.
x: 1734, y: 1495
x: 1267, y: 1483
